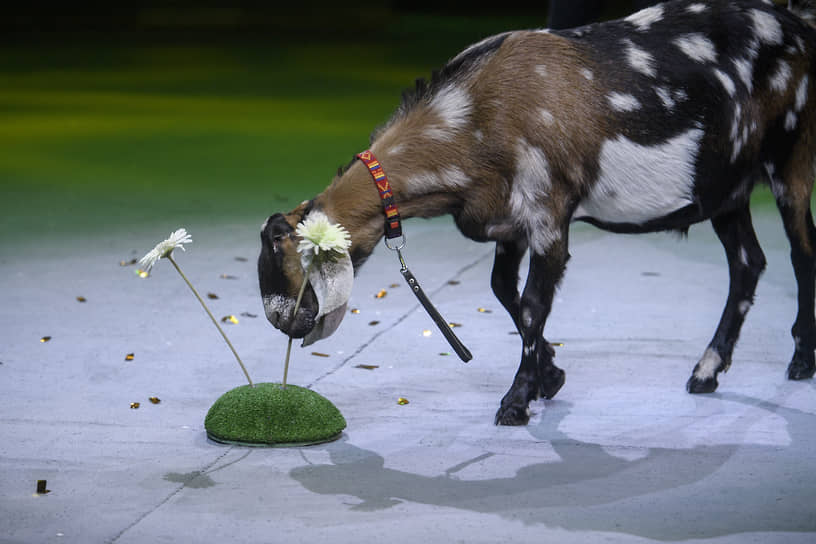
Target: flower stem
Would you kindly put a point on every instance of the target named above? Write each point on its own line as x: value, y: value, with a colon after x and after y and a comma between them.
x: 294, y: 314
x: 217, y: 326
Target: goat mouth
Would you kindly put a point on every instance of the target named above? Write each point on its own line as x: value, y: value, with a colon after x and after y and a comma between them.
x: 279, y: 313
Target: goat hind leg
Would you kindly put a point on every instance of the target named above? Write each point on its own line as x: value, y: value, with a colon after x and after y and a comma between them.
x: 745, y: 264
x: 800, y: 230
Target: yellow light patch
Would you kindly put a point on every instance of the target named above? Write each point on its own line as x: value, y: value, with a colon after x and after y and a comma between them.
x: 402, y: 401
x: 454, y: 325
x: 129, y: 357
x: 484, y: 311
x: 134, y: 405
x: 229, y: 319
x: 141, y: 273
x: 381, y: 294
x: 45, y: 339
x: 427, y: 332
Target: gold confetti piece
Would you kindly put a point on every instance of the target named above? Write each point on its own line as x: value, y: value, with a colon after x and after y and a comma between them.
x: 82, y: 299
x: 394, y: 285
x: 373, y: 323
x: 454, y: 325
x: 355, y: 311
x: 427, y: 332
x: 128, y: 263
x: 229, y: 319
x: 129, y: 357
x: 154, y: 400
x: 318, y: 354
x: 42, y: 487
x: 381, y: 294
x: 402, y: 401
x: 212, y: 296
x: 228, y: 277
x: 367, y: 367
x: 484, y: 311
x: 454, y: 282
x: 141, y: 273
x: 134, y: 405
x: 557, y: 344
x: 247, y: 314
x: 45, y: 339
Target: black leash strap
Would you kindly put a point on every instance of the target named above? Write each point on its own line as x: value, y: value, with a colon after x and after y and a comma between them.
x: 393, y: 229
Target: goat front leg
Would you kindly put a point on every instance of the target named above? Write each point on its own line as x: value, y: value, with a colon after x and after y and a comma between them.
x: 537, y: 375
x: 505, y: 277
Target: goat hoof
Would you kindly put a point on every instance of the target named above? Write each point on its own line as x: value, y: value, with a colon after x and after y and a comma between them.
x: 696, y: 386
x: 513, y: 415
x: 551, y: 382
x: 800, y: 369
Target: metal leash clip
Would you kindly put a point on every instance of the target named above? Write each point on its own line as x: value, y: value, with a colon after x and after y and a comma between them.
x: 446, y: 330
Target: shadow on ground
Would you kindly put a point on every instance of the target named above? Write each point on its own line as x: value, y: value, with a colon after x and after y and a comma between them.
x: 655, y: 496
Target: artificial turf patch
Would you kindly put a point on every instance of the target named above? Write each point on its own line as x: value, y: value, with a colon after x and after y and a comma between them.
x: 268, y: 415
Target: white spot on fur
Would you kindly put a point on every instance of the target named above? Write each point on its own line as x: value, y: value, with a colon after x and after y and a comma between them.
x: 425, y: 181
x: 697, y: 47
x: 743, y: 256
x: 665, y: 97
x: 727, y: 82
x: 547, y: 117
x: 526, y: 318
x: 529, y: 194
x: 790, y: 121
x: 638, y: 183
x: 623, y: 102
x: 781, y: 77
x: 396, y: 150
x: 639, y: 59
x: 801, y: 93
x: 766, y: 27
x: 541, y: 70
x: 587, y: 73
x: 645, y: 18
x: 478, y: 135
x: 696, y: 8
x: 800, y: 43
x: 744, y: 306
x: 453, y: 105
x: 708, y: 366
x: 745, y: 71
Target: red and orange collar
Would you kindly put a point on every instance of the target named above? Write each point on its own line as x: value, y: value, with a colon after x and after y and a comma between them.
x: 393, y: 222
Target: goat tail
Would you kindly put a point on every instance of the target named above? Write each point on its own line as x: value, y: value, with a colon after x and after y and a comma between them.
x: 804, y: 9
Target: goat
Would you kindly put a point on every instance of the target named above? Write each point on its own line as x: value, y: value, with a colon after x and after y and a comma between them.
x: 655, y: 122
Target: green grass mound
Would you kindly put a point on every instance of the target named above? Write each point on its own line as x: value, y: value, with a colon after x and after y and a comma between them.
x: 268, y: 415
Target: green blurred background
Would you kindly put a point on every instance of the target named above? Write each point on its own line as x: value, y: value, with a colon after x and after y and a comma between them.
x: 117, y: 117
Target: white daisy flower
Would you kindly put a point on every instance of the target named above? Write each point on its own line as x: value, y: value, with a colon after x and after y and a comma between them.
x: 318, y: 234
x: 164, y: 249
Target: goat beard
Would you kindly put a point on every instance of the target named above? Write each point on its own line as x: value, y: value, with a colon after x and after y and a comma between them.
x: 331, y: 282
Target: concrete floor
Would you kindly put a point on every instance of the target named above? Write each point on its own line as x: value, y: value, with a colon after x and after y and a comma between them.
x: 622, y: 454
